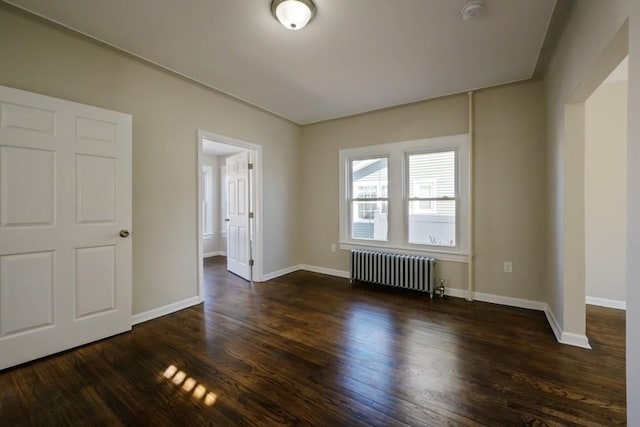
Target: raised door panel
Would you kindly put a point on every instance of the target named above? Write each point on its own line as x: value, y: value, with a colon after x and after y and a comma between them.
x: 242, y: 166
x: 27, y: 118
x: 94, y: 131
x: 232, y: 203
x: 238, y: 210
x: 232, y: 242
x: 27, y: 187
x: 243, y: 252
x: 95, y: 189
x: 242, y: 196
x: 65, y: 192
x: 95, y: 280
x: 26, y: 292
x: 232, y: 168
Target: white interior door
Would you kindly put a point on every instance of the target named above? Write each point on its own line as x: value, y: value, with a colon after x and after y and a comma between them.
x: 238, y: 207
x: 65, y: 195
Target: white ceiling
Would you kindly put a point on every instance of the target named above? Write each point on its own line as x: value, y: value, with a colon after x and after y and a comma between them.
x: 355, y: 56
x: 621, y: 72
x: 213, y: 148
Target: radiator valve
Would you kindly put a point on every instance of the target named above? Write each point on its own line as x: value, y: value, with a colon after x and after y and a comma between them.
x: 441, y: 288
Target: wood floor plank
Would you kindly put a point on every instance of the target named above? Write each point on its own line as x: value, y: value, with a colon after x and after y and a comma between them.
x: 309, y: 349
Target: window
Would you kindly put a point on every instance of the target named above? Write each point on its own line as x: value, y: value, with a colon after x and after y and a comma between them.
x: 407, y: 196
x: 207, y: 200
x: 432, y: 198
x: 223, y: 199
x: 422, y: 190
x: 367, y: 199
x: 367, y: 191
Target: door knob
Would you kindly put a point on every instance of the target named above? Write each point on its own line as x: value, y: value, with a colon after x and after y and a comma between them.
x: 124, y: 233
x: 226, y: 220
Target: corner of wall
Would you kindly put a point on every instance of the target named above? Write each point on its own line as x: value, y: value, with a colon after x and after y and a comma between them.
x: 577, y: 340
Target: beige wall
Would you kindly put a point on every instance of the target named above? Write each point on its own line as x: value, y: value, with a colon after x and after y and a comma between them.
x: 167, y: 112
x: 606, y: 192
x: 594, y: 41
x: 509, y: 181
x: 510, y: 184
x: 319, y: 160
x: 633, y: 220
x: 571, y: 77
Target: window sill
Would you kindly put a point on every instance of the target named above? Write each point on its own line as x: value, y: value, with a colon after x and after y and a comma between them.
x: 438, y: 255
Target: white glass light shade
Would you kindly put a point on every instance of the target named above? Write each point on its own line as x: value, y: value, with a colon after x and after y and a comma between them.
x: 293, y: 14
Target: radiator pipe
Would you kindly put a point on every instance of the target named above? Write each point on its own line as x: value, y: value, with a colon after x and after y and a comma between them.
x: 470, y: 223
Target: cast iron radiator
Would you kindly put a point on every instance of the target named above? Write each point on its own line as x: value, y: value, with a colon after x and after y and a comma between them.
x: 405, y: 271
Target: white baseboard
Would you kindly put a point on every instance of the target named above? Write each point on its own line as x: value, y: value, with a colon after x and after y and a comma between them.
x: 577, y: 340
x: 306, y: 267
x: 324, y: 270
x: 163, y: 311
x: 218, y: 253
x: 510, y: 301
x: 609, y: 303
x: 456, y: 293
x: 278, y: 273
x: 553, y: 322
x: 497, y: 299
x: 568, y: 338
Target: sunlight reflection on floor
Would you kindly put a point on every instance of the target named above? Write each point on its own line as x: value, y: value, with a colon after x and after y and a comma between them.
x: 370, y: 338
x: 188, y: 384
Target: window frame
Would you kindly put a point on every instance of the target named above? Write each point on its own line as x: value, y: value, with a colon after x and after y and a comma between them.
x: 455, y: 198
x: 433, y: 185
x: 208, y: 225
x: 398, y: 195
x: 351, y: 199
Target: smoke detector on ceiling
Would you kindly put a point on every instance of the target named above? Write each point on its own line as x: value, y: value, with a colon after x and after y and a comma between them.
x: 472, y: 9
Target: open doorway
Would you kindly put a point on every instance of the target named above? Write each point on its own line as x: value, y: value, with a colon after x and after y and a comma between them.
x: 229, y: 205
x: 605, y: 211
x: 606, y: 191
x: 574, y: 194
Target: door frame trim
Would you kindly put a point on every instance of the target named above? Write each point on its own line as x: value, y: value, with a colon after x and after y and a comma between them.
x: 256, y: 149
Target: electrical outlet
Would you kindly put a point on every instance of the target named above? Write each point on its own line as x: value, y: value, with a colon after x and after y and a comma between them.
x: 333, y: 247
x: 508, y: 266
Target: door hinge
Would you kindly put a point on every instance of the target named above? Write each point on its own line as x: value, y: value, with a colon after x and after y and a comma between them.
x: 251, y: 262
x: 250, y: 166
x: 251, y: 215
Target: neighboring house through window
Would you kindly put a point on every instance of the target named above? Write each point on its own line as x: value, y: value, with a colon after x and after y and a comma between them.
x: 368, y: 202
x: 410, y: 196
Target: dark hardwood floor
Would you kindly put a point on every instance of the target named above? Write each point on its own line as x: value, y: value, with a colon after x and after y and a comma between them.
x: 308, y: 349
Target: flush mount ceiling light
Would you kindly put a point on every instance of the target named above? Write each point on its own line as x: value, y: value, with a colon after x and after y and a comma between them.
x: 472, y: 9
x: 293, y: 14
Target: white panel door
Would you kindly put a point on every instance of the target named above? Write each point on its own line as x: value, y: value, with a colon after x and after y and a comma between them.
x: 238, y: 208
x: 65, y: 195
